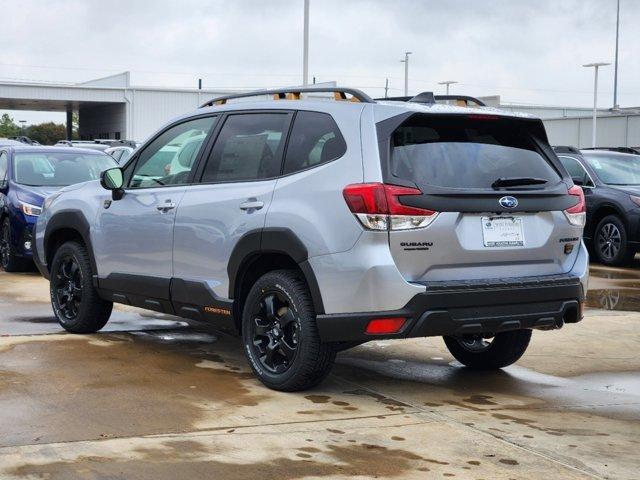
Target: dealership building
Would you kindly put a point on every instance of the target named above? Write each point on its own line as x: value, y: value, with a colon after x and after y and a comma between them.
x: 108, y: 107
x: 111, y: 107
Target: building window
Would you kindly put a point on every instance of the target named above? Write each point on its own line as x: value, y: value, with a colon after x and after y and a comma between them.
x: 117, y: 135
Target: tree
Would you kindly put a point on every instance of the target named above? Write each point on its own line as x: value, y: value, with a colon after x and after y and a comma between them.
x: 8, y: 128
x: 47, y: 133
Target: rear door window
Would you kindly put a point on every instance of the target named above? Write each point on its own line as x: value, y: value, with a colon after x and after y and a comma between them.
x: 249, y: 147
x: 471, y: 151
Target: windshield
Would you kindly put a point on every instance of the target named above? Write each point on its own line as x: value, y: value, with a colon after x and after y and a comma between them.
x: 616, y: 170
x: 56, y: 169
x: 468, y: 152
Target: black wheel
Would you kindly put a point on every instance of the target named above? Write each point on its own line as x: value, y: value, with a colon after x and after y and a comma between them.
x: 9, y: 261
x: 610, y: 242
x: 75, y: 301
x: 476, y: 351
x: 280, y: 335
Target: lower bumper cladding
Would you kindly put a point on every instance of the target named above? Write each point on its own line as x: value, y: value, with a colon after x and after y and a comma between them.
x: 466, y: 307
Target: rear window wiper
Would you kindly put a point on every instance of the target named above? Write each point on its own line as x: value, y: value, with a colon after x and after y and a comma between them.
x: 516, y: 182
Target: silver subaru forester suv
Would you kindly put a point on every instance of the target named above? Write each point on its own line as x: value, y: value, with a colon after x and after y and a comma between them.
x: 314, y: 220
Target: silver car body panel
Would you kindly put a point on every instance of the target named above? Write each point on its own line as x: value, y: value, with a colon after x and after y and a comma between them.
x: 356, y: 270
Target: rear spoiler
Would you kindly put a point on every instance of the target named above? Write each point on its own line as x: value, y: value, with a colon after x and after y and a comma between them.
x: 428, y: 98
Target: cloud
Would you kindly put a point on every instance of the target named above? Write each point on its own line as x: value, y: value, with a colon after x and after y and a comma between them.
x: 527, y: 51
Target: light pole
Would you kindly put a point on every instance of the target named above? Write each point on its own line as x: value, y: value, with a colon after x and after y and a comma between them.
x: 305, y: 47
x: 595, y: 65
x: 615, y: 74
x: 447, y: 83
x: 406, y: 72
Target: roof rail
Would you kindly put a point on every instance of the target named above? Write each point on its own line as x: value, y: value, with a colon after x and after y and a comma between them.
x: 294, y: 94
x: 461, y: 98
x: 430, y: 98
x: 565, y: 149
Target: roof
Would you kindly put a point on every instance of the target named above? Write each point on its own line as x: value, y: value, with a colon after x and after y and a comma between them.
x: 48, y: 149
x: 439, y: 108
x: 607, y: 153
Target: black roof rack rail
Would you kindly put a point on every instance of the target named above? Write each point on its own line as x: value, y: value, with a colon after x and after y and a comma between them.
x: 631, y: 150
x: 462, y: 98
x: 565, y: 149
x: 294, y: 94
x: 430, y: 98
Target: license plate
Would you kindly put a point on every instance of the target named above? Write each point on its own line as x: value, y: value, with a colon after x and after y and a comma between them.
x: 502, y: 232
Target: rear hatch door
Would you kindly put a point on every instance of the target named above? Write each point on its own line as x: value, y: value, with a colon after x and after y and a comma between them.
x: 499, y: 191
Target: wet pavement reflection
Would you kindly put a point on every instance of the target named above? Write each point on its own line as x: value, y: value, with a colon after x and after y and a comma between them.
x: 614, y: 288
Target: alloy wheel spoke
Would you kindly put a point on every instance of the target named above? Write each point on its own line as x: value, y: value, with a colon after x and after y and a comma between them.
x: 260, y: 329
x: 270, y: 306
x: 287, y: 350
x: 270, y: 352
x: 286, y: 318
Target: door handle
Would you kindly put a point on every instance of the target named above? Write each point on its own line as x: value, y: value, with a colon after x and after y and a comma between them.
x: 251, y: 205
x: 165, y: 207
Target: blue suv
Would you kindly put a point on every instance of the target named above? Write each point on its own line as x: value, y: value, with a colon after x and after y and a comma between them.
x: 29, y: 174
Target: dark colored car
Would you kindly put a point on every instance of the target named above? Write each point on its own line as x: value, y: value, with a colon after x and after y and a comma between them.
x: 28, y: 174
x: 611, y: 184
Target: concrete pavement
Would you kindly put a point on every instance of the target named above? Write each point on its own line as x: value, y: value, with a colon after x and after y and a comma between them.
x: 150, y: 398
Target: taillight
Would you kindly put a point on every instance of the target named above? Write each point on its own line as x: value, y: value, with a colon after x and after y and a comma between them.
x: 378, y: 207
x: 577, y: 214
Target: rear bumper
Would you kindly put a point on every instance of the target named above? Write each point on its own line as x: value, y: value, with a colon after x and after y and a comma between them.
x: 470, y: 307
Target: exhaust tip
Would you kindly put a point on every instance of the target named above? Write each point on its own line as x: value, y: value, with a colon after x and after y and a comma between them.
x: 570, y: 316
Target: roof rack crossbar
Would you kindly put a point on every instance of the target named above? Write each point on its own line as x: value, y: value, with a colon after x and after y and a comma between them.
x: 294, y: 94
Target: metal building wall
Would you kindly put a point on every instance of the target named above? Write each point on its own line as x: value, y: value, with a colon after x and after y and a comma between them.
x: 612, y: 131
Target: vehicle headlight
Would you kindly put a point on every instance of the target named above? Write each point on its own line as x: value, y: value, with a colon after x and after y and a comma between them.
x: 30, y: 210
x: 49, y: 200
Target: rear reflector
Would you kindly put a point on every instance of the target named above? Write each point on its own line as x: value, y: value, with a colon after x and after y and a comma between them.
x: 378, y: 207
x: 380, y: 326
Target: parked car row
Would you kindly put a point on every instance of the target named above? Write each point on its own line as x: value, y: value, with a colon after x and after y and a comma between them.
x: 611, y: 184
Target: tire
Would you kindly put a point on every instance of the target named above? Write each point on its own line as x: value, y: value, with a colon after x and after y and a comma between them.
x: 280, y: 334
x: 74, y: 299
x: 9, y: 261
x: 610, y: 242
x: 505, y: 348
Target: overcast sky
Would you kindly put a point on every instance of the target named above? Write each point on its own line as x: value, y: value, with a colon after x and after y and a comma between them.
x: 527, y: 51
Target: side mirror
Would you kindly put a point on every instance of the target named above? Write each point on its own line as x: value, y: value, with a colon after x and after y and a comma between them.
x: 113, y: 180
x: 578, y: 180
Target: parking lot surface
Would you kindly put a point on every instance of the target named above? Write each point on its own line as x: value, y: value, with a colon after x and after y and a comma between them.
x: 150, y: 398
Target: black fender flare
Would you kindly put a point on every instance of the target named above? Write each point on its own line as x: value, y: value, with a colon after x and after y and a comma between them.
x: 72, y: 220
x: 273, y: 240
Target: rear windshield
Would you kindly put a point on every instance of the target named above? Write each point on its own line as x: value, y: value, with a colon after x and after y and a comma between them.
x: 466, y: 152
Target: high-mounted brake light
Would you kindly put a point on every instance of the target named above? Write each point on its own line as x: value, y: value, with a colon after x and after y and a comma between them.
x: 577, y: 214
x: 378, y: 207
